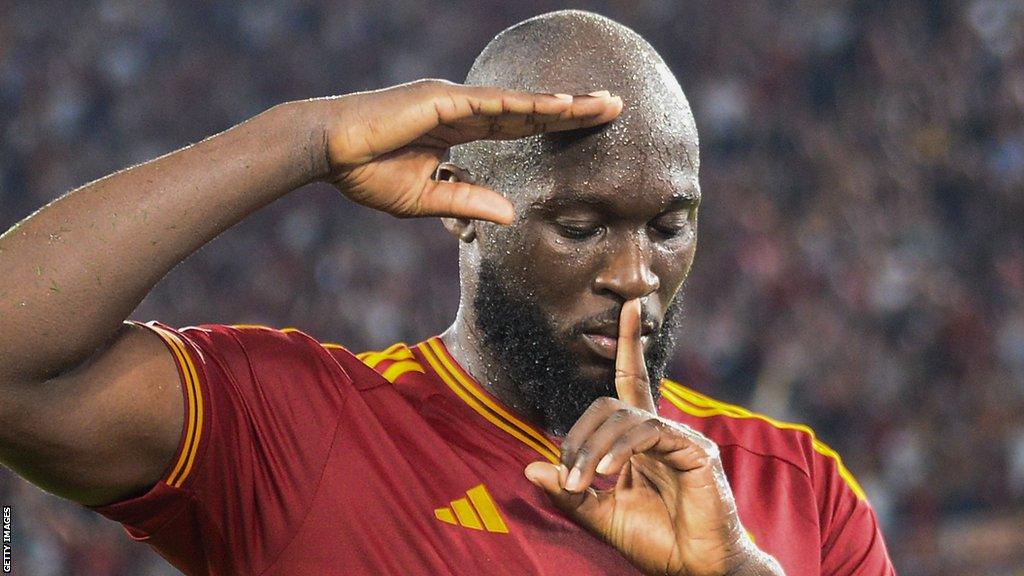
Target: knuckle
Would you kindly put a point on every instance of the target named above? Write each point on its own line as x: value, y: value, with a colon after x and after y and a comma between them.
x: 429, y: 83
x: 620, y: 415
x: 683, y: 429
x: 569, y: 447
x: 422, y: 86
x: 653, y: 424
x: 702, y: 442
x: 704, y: 461
x: 707, y: 448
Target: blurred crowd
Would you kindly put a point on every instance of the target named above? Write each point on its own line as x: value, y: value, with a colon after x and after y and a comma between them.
x: 861, y: 260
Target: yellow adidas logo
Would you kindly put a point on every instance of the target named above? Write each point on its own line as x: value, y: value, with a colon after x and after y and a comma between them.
x: 476, y: 511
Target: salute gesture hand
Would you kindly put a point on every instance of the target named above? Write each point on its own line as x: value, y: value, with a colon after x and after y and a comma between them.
x: 382, y: 147
x: 672, y: 510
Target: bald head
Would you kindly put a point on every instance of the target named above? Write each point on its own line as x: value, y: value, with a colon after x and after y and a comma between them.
x: 577, y: 52
x: 603, y: 215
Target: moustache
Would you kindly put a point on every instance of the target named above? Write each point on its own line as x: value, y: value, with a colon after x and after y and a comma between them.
x: 609, y: 319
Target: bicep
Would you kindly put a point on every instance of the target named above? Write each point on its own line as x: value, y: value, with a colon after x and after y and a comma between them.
x: 106, y: 430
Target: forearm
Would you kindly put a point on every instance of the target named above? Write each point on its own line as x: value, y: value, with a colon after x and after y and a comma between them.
x: 74, y: 270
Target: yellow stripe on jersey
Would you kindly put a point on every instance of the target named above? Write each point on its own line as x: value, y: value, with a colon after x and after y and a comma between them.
x: 697, y: 404
x: 394, y: 371
x: 194, y: 396
x: 395, y: 352
x: 469, y: 384
x: 399, y: 358
x: 363, y: 356
x: 476, y: 400
x: 262, y: 327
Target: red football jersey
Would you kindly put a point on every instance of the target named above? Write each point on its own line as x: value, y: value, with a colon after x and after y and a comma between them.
x: 298, y: 457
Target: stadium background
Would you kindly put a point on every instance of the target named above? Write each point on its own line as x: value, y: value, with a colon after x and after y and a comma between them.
x: 861, y: 262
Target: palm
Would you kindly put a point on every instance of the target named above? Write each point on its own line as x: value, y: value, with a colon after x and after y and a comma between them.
x: 645, y: 518
x: 639, y: 523
x: 402, y: 173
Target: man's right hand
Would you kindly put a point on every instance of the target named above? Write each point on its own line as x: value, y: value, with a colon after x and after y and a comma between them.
x: 92, y: 408
x: 382, y: 147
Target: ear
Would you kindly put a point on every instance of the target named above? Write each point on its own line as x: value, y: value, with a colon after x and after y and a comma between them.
x: 461, y: 228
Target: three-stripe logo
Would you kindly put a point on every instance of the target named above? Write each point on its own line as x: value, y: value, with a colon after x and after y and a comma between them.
x: 476, y: 511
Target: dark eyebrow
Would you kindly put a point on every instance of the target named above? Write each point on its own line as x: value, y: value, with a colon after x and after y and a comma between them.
x: 573, y: 199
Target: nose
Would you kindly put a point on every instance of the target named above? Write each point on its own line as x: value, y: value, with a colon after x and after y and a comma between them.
x: 626, y: 269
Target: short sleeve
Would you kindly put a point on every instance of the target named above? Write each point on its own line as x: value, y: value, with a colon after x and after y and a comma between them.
x: 261, y: 411
x: 851, y: 539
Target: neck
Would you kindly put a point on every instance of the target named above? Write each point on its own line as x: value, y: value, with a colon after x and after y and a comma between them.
x: 466, y: 345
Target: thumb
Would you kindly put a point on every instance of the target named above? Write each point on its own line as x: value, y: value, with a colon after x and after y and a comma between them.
x: 583, y: 507
x: 544, y: 475
x: 464, y: 200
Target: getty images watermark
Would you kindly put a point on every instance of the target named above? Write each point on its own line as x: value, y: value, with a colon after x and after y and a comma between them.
x: 7, y: 540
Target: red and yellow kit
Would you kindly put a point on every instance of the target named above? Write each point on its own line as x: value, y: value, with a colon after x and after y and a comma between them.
x: 299, y: 457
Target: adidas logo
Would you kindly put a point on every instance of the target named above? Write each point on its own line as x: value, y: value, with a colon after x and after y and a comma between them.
x: 476, y: 511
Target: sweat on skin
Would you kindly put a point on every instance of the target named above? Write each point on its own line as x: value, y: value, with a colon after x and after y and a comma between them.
x: 591, y: 242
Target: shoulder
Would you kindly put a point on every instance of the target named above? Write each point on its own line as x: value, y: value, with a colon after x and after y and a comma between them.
x: 730, y: 425
x: 259, y: 350
x: 252, y: 335
x: 253, y: 340
x: 295, y: 352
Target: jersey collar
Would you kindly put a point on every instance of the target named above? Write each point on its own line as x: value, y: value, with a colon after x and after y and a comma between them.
x: 467, y: 389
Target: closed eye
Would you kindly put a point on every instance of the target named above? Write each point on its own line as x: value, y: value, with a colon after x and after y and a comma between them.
x: 577, y: 231
x: 672, y: 225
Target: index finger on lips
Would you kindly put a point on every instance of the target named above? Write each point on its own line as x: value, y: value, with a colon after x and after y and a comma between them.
x: 632, y: 384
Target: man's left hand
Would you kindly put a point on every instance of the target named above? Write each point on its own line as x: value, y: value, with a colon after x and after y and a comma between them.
x: 671, y: 510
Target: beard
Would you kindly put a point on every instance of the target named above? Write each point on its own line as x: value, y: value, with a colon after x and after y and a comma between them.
x: 537, y: 361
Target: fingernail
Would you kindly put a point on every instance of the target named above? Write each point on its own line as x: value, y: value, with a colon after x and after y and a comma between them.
x: 573, y: 481
x: 600, y: 94
x: 566, y: 97
x: 604, y: 465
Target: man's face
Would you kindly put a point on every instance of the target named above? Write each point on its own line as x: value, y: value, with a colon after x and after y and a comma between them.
x: 601, y: 228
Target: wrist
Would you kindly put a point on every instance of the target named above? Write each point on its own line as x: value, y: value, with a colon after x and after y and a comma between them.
x: 305, y: 121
